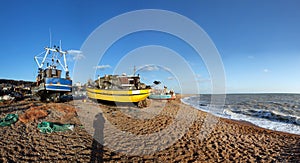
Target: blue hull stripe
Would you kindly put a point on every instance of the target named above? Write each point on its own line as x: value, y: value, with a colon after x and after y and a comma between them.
x: 61, y: 81
x: 58, y: 88
x: 59, y: 85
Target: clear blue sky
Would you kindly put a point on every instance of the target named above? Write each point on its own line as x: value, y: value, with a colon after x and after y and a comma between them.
x: 258, y: 41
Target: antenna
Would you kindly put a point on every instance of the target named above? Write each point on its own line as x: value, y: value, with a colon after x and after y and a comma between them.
x: 60, y: 45
x: 50, y: 37
x: 134, y: 70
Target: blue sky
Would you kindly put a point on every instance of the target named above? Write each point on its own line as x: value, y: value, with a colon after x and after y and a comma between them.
x: 258, y: 41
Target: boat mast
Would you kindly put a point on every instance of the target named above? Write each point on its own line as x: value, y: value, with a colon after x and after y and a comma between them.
x: 55, y: 52
x: 134, y: 70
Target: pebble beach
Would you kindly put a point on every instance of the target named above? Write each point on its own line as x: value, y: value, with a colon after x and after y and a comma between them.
x: 176, y: 133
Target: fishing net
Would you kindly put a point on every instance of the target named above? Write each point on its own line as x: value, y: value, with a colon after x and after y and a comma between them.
x: 34, y: 113
x: 8, y: 120
x: 49, y: 127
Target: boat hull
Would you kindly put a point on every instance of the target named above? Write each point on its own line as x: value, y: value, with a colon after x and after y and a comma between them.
x: 58, y: 84
x: 118, y: 95
x: 161, y: 97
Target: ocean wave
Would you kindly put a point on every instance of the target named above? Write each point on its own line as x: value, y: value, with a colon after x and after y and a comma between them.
x: 270, y: 115
x: 259, y: 110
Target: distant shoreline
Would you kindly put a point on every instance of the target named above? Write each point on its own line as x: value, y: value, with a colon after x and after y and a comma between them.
x: 19, y: 82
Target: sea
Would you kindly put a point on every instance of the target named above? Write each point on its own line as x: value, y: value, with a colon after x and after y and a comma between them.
x: 279, y: 112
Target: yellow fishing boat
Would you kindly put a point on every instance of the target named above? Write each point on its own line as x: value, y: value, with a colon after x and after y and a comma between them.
x: 118, y: 96
x: 121, y: 88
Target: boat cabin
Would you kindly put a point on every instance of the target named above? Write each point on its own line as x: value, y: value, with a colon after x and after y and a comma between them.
x: 52, y: 73
x: 49, y: 72
x: 116, y: 82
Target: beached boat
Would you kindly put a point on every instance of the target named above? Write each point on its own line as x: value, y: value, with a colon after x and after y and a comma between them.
x: 162, y: 97
x: 162, y: 94
x: 50, y: 85
x: 119, y: 88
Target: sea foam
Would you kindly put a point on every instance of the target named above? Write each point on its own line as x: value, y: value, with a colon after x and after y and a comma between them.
x: 279, y: 112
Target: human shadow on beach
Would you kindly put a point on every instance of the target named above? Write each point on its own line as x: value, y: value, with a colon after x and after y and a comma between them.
x: 98, y: 141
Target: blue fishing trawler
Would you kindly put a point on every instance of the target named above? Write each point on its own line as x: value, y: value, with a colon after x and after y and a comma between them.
x: 50, y: 85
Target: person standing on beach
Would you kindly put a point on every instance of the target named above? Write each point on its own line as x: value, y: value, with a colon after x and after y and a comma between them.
x: 165, y: 91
